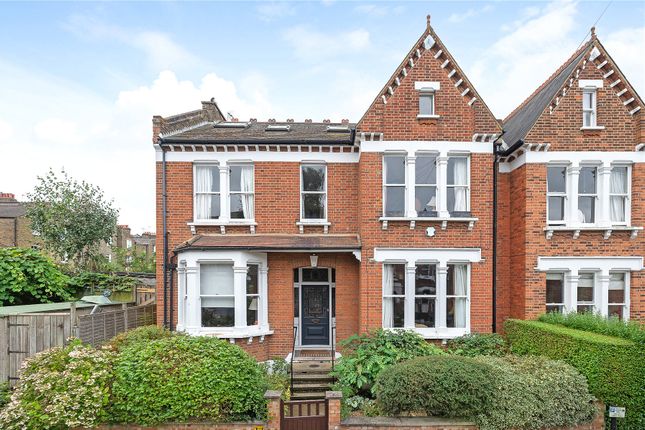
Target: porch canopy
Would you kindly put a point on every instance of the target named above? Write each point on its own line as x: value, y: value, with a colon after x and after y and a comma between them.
x: 273, y: 242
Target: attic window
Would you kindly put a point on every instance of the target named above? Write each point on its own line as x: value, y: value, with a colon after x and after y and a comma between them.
x: 231, y: 125
x: 278, y: 127
x: 337, y: 129
x: 427, y: 92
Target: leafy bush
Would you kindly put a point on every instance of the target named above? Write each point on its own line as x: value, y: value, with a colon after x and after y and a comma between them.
x: 28, y: 277
x: 632, y: 330
x: 140, y: 335
x: 5, y: 394
x: 613, y: 366
x: 61, y: 388
x: 182, y: 378
x: 474, y: 344
x: 446, y: 386
x: 102, y: 281
x: 534, y: 393
x: 276, y: 375
x: 366, y: 355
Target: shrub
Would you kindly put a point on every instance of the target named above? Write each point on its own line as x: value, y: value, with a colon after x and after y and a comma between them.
x: 534, y: 393
x: 61, y: 388
x: 5, y: 394
x: 140, y: 335
x: 474, y: 344
x: 180, y: 378
x: 446, y: 386
x: 632, y: 330
x: 28, y: 277
x: 613, y: 366
x: 276, y: 375
x: 102, y: 281
x: 366, y: 355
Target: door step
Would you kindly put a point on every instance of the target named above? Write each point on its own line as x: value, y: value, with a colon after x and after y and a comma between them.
x: 311, y: 377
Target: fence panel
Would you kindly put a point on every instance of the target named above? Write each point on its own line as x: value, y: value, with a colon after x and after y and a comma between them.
x: 98, y: 328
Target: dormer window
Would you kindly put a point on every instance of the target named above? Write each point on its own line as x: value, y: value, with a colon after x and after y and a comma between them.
x: 589, y: 108
x: 427, y: 95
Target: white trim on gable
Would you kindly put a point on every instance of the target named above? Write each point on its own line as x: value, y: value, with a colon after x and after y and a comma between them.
x: 427, y: 86
x: 590, y: 83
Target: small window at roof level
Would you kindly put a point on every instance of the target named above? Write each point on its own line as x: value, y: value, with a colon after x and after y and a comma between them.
x: 426, y: 103
x: 589, y: 108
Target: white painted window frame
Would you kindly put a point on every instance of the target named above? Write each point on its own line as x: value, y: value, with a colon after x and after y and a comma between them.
x: 304, y: 220
x: 597, y: 202
x: 467, y: 186
x: 211, y: 193
x: 395, y: 296
x: 626, y: 301
x: 416, y: 296
x: 593, y: 303
x: 593, y: 109
x: 428, y: 89
x: 434, y: 185
x: 563, y: 195
x: 231, y: 192
x: 395, y: 185
x: 561, y: 305
x: 207, y: 296
x: 626, y: 196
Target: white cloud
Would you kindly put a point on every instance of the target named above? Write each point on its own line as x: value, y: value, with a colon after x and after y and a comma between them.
x: 274, y: 10
x: 310, y: 44
x: 526, y: 56
x: 160, y: 50
x: 58, y: 130
x: 6, y: 131
x: 457, y: 18
x: 623, y: 46
x: 379, y: 10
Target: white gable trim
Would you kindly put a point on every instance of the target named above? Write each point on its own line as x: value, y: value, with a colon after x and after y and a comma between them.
x: 427, y: 86
x: 590, y: 83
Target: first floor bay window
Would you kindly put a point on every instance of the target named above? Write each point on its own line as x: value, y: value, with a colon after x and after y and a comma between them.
x: 586, y: 292
x: 217, y: 295
x: 617, y: 303
x: 555, y: 292
x: 425, y: 295
x: 252, y: 294
x: 393, y: 295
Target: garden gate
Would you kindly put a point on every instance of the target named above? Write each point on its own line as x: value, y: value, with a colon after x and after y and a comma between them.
x: 304, y: 415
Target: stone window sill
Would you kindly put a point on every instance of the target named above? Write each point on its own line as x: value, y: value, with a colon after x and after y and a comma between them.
x: 222, y: 224
x: 313, y: 223
x: 594, y: 128
x: 443, y: 220
x: 549, y: 230
x: 420, y: 116
x: 436, y: 333
x: 229, y: 333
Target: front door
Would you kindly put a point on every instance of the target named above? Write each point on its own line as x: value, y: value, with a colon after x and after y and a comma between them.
x: 315, y: 315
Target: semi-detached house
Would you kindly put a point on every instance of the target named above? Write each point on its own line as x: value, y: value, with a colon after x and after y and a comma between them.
x: 277, y: 233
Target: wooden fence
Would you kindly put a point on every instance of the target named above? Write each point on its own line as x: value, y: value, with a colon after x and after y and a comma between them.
x: 27, y: 334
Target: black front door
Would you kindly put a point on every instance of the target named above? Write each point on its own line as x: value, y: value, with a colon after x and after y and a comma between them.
x: 315, y: 314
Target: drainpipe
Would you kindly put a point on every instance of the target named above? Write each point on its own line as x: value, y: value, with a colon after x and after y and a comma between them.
x: 165, y: 234
x: 496, y: 153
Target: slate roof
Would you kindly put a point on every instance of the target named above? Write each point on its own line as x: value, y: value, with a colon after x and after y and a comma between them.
x: 257, y: 133
x: 273, y: 242
x: 519, y: 122
x: 12, y: 210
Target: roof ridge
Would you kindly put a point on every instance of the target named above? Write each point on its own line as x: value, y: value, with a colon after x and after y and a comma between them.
x: 548, y: 80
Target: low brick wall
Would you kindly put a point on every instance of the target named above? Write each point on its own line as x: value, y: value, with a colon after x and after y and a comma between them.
x: 410, y: 423
x: 193, y: 426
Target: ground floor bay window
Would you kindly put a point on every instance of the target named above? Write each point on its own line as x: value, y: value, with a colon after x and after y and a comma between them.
x: 599, y: 285
x: 223, y: 293
x: 427, y: 290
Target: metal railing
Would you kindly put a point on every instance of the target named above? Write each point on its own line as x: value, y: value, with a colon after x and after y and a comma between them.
x: 333, y: 351
x: 293, y: 352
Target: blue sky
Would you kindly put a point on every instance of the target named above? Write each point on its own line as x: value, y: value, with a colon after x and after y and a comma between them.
x: 82, y: 80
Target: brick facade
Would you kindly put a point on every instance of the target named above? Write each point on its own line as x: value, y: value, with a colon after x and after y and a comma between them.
x: 463, y: 124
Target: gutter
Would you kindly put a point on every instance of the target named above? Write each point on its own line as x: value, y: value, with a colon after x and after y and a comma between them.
x: 348, y: 142
x: 266, y: 249
x: 164, y: 216
x: 496, y: 155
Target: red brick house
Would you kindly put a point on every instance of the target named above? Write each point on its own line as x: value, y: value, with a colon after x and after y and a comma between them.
x: 322, y: 230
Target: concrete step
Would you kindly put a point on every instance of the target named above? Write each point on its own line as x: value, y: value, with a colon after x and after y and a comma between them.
x: 310, y: 387
x: 312, y: 366
x: 312, y: 377
x: 308, y: 396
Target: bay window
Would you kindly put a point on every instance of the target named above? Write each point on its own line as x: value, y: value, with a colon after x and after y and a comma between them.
x: 207, y: 192
x: 587, y: 194
x: 457, y: 186
x: 426, y: 185
x: 393, y: 295
x: 556, y: 193
x: 394, y: 186
x: 617, y: 298
x: 555, y: 292
x: 425, y: 295
x: 313, y: 192
x: 241, y: 192
x: 456, y: 295
x: 252, y: 294
x: 586, y: 292
x: 217, y: 295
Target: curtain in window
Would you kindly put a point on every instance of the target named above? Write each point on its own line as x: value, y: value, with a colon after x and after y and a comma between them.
x: 618, y: 186
x: 388, y: 303
x: 204, y: 184
x: 246, y: 186
x: 461, y: 178
x: 461, y: 273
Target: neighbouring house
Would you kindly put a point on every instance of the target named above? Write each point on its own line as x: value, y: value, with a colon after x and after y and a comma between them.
x: 15, y: 227
x: 143, y: 244
x: 309, y: 232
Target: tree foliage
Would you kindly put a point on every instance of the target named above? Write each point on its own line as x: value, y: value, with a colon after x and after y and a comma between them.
x: 71, y: 217
x: 28, y: 277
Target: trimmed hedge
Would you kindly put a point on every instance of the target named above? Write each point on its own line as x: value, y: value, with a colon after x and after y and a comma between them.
x: 442, y: 385
x: 476, y: 344
x: 587, y: 321
x: 183, y: 378
x: 614, y: 367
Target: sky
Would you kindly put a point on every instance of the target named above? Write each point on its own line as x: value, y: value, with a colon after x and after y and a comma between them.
x: 80, y: 82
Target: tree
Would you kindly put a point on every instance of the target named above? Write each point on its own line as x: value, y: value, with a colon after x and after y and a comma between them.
x: 71, y: 217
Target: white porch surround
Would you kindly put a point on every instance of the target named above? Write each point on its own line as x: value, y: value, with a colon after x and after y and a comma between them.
x: 441, y: 257
x: 572, y: 157
x: 189, y: 303
x: 571, y: 267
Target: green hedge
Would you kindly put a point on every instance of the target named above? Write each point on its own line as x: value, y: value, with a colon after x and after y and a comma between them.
x: 614, y: 367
